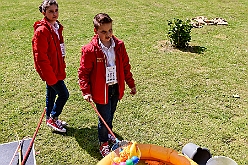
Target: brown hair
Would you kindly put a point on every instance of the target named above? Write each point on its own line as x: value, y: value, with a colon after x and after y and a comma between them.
x: 47, y: 3
x: 100, y: 19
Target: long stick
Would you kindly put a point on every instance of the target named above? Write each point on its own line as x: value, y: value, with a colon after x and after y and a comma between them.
x: 32, y: 141
x: 118, y: 142
x: 110, y: 131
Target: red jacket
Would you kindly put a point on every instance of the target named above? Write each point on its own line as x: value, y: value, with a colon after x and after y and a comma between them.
x: 92, y: 70
x: 48, y: 59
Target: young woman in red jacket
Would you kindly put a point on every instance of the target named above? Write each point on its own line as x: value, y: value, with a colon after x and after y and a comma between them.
x: 104, y: 69
x: 49, y: 53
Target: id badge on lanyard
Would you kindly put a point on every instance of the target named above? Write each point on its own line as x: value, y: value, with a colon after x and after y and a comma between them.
x: 111, y: 75
x: 62, y: 46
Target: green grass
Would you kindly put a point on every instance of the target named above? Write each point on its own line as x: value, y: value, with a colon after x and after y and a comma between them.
x: 182, y: 96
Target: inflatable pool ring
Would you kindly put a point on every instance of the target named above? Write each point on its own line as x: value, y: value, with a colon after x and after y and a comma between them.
x: 155, y: 152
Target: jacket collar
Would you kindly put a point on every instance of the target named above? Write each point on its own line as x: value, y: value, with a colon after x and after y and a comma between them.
x: 115, y: 41
x: 45, y: 22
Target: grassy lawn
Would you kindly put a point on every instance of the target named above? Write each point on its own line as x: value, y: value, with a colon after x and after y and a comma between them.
x: 182, y: 97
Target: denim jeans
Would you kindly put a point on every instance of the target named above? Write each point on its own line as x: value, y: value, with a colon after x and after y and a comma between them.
x: 107, y: 112
x: 54, y: 108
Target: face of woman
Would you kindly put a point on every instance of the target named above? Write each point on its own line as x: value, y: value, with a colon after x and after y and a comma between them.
x: 52, y: 13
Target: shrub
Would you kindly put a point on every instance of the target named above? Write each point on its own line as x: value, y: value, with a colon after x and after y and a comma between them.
x: 179, y: 32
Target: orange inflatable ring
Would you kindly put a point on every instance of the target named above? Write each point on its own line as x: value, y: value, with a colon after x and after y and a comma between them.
x: 155, y: 152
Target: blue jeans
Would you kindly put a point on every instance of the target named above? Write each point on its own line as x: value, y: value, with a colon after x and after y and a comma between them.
x: 54, y: 108
x: 107, y: 112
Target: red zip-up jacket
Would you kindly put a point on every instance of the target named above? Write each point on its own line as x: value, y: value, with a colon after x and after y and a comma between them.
x: 48, y: 59
x: 92, y: 70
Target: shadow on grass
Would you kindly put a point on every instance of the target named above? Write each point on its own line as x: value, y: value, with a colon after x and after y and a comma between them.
x: 87, y: 139
x: 193, y: 49
x: 167, y: 46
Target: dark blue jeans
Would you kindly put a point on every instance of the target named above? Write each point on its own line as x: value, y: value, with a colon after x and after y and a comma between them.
x: 107, y: 112
x: 54, y: 108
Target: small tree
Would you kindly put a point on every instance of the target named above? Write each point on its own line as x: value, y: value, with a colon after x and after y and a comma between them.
x: 179, y: 32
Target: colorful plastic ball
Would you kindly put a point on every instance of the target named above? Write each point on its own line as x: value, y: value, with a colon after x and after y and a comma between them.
x: 115, y: 163
x: 116, y: 159
x: 129, y: 162
x: 135, y: 159
x: 122, y: 163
